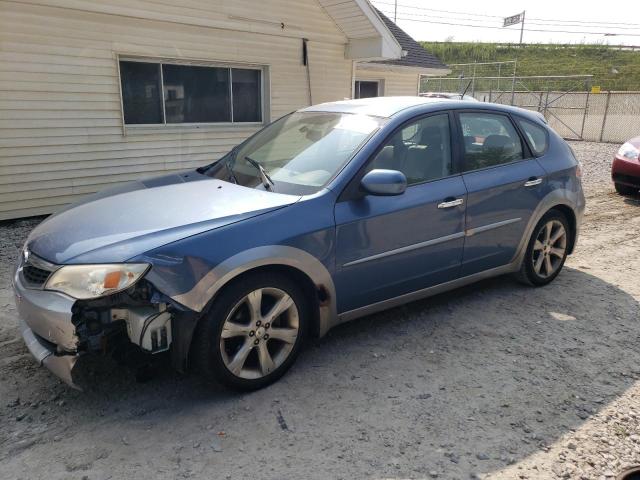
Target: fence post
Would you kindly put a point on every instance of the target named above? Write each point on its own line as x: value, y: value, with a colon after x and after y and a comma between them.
x: 546, y: 102
x: 584, y: 115
x: 540, y: 103
x: 473, y: 82
x: 513, y: 83
x: 604, y: 117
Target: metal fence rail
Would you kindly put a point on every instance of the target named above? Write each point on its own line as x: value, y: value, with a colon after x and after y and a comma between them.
x: 566, y: 102
x: 598, y: 117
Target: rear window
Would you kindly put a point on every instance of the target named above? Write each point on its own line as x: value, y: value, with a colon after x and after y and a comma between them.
x: 536, y: 135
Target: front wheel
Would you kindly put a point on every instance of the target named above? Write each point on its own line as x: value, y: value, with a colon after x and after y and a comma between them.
x: 547, y: 250
x: 254, y: 331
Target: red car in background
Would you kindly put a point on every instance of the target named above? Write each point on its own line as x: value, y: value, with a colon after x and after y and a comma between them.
x: 625, y: 171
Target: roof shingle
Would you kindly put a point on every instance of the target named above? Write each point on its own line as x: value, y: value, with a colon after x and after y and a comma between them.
x: 416, y: 55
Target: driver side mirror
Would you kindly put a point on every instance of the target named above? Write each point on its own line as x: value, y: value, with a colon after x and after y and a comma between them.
x: 384, y: 182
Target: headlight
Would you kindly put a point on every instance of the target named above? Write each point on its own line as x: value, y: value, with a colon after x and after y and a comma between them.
x: 92, y: 281
x: 629, y: 152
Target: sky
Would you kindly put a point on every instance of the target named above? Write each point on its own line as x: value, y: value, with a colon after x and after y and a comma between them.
x: 418, y: 17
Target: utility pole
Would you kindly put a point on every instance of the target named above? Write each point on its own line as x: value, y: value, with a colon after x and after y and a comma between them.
x: 395, y: 14
x: 521, y: 26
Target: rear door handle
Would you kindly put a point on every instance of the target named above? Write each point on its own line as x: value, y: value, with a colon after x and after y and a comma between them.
x: 451, y: 203
x: 532, y: 182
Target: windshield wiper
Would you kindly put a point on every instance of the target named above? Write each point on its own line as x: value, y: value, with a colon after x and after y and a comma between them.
x: 264, y: 176
x: 229, y: 164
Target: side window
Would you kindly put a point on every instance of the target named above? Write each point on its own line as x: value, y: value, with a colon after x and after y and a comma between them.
x: 421, y: 150
x: 489, y: 140
x: 536, y: 135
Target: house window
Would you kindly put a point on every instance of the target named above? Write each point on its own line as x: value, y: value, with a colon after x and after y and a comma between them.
x: 367, y: 89
x: 163, y: 93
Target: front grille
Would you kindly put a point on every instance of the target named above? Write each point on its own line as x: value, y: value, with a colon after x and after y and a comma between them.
x: 35, y: 276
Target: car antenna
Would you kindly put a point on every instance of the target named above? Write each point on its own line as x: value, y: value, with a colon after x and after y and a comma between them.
x: 465, y: 90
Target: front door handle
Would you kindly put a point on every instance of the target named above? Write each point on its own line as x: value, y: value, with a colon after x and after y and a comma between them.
x: 451, y: 203
x: 532, y: 182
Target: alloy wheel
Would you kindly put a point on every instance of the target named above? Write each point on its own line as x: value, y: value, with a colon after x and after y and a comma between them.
x: 259, y: 333
x: 549, y: 248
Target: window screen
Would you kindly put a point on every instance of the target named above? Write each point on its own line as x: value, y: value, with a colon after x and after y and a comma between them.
x: 159, y: 93
x: 489, y: 140
x: 536, y: 135
x: 196, y: 94
x: 247, y: 95
x: 141, y: 92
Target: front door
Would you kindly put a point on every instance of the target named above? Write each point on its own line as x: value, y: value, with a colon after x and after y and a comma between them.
x: 389, y: 246
x: 504, y: 188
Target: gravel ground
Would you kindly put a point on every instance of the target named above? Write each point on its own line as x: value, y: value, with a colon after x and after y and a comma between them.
x: 492, y: 381
x: 596, y: 160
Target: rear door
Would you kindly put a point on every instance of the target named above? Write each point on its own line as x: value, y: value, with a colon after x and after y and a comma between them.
x: 504, y: 182
x: 391, y: 245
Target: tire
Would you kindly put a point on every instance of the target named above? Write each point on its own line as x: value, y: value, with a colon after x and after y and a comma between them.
x: 536, y: 270
x: 230, y: 342
x: 625, y: 189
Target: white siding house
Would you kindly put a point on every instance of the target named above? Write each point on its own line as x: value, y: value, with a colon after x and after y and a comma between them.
x: 399, y: 76
x: 95, y: 93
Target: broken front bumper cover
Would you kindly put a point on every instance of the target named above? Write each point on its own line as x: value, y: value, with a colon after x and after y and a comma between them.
x: 60, y: 365
x: 47, y: 329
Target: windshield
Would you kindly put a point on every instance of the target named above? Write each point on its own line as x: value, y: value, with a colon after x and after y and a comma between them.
x: 299, y: 153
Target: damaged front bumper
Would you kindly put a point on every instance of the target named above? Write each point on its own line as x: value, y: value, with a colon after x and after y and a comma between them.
x: 60, y: 365
x: 47, y: 328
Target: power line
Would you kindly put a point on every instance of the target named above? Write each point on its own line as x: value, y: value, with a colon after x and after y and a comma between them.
x: 437, y: 16
x: 579, y: 22
x: 586, y: 21
x: 436, y: 10
x: 526, y: 29
x: 566, y: 25
x: 581, y: 32
x: 528, y: 21
x: 467, y: 19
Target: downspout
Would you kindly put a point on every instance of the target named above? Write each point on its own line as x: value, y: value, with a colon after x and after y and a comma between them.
x: 305, y: 62
x: 124, y: 125
x: 353, y: 78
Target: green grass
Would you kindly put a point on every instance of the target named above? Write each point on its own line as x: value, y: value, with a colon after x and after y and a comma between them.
x: 601, y: 61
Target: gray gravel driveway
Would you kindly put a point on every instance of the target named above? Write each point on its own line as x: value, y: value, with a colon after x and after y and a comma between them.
x: 495, y: 380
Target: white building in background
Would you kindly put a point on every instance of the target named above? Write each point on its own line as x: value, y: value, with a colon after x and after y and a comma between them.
x: 399, y: 76
x: 96, y: 93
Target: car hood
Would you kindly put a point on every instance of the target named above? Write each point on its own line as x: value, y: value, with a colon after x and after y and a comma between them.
x: 119, y: 223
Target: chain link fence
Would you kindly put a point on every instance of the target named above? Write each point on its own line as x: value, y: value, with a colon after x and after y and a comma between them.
x: 613, y: 116
x: 567, y: 101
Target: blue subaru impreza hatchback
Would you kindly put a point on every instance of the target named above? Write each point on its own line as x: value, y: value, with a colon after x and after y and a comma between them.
x: 328, y: 214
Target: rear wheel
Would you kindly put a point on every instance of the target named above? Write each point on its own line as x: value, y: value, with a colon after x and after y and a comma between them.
x: 625, y: 189
x: 254, y: 331
x: 547, y: 250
